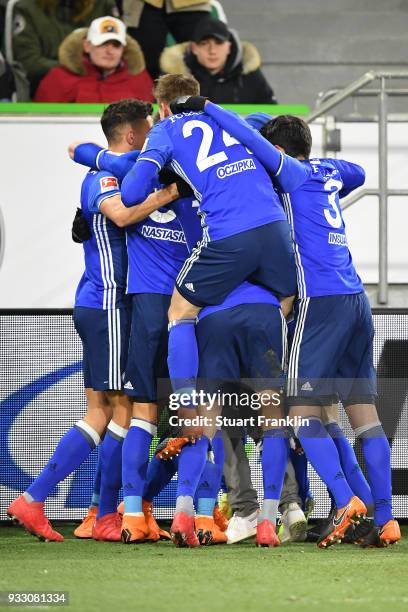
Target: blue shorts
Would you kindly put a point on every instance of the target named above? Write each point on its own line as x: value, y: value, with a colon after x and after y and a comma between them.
x: 263, y: 255
x: 104, y: 335
x: 147, y: 358
x: 332, y: 351
x: 249, y: 340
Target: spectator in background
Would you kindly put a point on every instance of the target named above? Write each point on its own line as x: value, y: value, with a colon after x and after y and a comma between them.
x: 149, y: 22
x: 41, y: 25
x: 228, y: 71
x: 100, y: 64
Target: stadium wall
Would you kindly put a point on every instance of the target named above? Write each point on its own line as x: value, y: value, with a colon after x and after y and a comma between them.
x: 42, y: 266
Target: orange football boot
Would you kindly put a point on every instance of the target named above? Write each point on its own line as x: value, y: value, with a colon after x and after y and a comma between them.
x: 266, y: 534
x: 220, y: 519
x: 134, y: 529
x: 31, y: 516
x: 173, y: 447
x: 208, y: 532
x: 155, y: 533
x: 84, y: 530
x: 107, y: 528
x: 381, y: 537
x: 353, y: 512
x: 182, y: 531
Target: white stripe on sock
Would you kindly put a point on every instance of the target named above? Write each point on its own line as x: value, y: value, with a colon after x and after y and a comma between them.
x: 117, y: 429
x: 151, y: 428
x: 89, y: 430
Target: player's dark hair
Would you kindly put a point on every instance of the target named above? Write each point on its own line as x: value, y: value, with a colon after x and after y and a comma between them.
x: 171, y: 86
x: 119, y: 113
x: 291, y: 133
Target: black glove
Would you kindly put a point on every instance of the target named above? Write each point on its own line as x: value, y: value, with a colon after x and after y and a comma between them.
x: 167, y: 177
x: 188, y: 103
x: 80, y: 229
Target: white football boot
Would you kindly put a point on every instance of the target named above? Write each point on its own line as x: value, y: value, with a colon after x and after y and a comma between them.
x: 241, y: 527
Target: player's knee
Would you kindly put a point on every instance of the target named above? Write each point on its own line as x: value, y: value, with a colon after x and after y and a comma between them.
x: 180, y: 308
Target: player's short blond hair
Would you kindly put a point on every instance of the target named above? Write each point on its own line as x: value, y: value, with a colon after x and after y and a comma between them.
x: 171, y: 86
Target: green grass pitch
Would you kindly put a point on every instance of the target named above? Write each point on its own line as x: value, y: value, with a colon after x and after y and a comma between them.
x: 159, y: 577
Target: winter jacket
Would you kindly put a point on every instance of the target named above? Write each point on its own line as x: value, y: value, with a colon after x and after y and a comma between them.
x: 38, y: 35
x: 175, y: 4
x: 241, y: 81
x: 77, y: 80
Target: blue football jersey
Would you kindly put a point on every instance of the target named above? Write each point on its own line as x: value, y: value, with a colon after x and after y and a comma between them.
x: 156, y: 246
x: 157, y: 250
x: 323, y: 260
x: 232, y: 187
x: 103, y: 283
x: 246, y: 292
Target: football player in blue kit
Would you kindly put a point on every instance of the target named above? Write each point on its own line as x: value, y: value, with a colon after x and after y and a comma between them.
x: 102, y: 320
x: 332, y: 346
x: 245, y: 231
x: 270, y: 330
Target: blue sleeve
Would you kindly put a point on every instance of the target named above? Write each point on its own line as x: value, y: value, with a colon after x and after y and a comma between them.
x: 352, y: 175
x: 86, y: 154
x: 142, y: 178
x: 103, y: 186
x: 290, y: 172
x: 118, y: 165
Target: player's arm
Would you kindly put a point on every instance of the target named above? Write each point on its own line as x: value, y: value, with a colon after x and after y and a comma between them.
x: 93, y: 156
x: 290, y: 173
x: 143, y: 177
x: 352, y: 176
x: 122, y: 216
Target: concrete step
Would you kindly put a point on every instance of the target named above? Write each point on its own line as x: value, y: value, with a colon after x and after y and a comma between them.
x: 397, y: 296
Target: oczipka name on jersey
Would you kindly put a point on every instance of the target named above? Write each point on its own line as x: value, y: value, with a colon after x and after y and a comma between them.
x: 162, y: 233
x: 236, y: 167
x: 335, y: 238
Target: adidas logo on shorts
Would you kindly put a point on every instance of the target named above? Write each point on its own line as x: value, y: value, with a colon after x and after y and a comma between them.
x: 190, y: 287
x: 307, y: 386
x: 128, y: 385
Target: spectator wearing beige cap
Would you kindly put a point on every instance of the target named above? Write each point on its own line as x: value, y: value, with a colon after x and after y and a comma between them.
x: 40, y: 26
x: 101, y: 64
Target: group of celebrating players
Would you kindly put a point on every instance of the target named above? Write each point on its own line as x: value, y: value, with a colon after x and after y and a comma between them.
x: 202, y: 236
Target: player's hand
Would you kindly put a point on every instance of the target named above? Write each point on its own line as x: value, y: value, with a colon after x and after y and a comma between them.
x: 73, y: 146
x: 188, y: 103
x: 167, y: 177
x: 80, y: 229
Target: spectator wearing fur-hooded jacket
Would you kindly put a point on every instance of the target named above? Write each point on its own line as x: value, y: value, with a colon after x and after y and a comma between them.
x: 99, y: 64
x: 228, y: 71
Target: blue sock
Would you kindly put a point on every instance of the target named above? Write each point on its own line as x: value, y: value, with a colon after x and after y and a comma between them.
x: 182, y: 357
x: 111, y: 468
x: 72, y: 450
x: 322, y: 453
x: 207, y: 489
x: 217, y: 445
x: 377, y: 457
x: 350, y: 465
x: 97, y: 484
x: 191, y: 465
x: 275, y: 453
x: 299, y: 462
x: 135, y: 461
x: 159, y: 474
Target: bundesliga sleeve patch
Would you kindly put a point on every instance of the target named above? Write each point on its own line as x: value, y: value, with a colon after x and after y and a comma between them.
x: 108, y: 183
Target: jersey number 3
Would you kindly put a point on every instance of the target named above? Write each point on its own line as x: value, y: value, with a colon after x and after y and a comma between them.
x: 205, y: 161
x: 334, y: 220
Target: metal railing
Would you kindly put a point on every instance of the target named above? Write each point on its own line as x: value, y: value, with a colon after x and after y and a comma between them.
x: 333, y: 98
